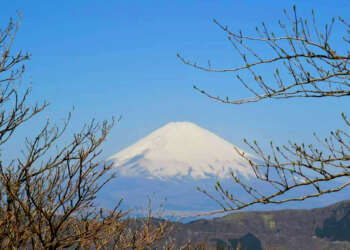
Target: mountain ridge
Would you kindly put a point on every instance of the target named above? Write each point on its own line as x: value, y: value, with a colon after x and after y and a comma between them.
x: 318, y: 228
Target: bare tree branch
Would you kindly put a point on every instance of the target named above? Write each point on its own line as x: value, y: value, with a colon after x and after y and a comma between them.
x: 47, y: 196
x: 305, y: 64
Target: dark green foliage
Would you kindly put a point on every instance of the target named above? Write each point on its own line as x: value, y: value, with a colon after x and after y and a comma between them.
x: 247, y: 242
x: 335, y: 229
x: 220, y: 244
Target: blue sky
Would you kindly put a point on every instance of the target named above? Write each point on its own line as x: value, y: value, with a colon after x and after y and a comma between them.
x: 110, y: 58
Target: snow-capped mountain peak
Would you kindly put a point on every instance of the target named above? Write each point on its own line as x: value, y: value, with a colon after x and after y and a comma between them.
x: 180, y: 149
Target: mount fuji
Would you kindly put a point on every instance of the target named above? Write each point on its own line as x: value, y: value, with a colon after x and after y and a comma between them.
x: 180, y: 150
x: 172, y: 161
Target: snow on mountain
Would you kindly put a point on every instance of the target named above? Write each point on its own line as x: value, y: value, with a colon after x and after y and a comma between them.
x: 180, y: 149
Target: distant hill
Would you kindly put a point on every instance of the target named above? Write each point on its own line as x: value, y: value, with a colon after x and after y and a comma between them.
x: 169, y: 164
x: 321, y: 228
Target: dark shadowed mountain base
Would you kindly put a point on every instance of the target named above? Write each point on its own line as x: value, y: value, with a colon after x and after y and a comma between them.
x: 247, y: 242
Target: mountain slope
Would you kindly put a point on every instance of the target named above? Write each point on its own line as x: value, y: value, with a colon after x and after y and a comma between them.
x: 180, y: 149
